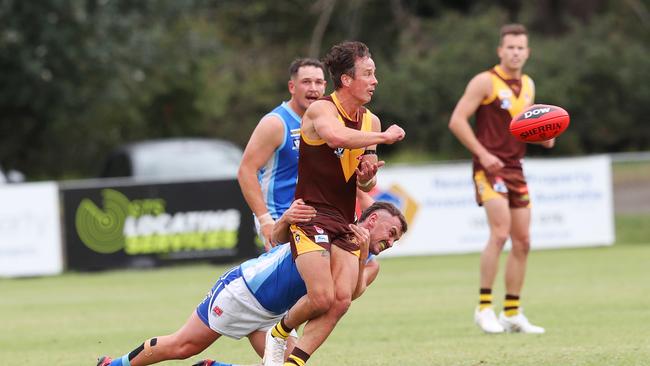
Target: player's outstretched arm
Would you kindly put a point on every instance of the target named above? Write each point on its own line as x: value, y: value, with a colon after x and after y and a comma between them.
x: 322, y: 117
x: 296, y: 213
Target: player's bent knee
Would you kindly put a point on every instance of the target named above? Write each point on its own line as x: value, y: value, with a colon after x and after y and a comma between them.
x: 341, y: 306
x: 321, y: 301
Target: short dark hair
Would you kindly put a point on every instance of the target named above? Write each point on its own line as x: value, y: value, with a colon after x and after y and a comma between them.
x: 388, y: 207
x: 514, y: 28
x: 300, y: 62
x: 341, y: 57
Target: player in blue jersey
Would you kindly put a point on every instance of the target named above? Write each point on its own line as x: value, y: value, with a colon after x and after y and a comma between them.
x: 269, y: 168
x: 249, y: 299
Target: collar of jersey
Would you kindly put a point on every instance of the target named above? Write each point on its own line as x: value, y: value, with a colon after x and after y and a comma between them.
x: 295, y: 115
x: 502, y: 74
x: 338, y: 105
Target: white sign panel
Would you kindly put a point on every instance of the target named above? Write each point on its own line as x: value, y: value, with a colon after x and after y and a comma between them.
x: 30, y: 230
x: 572, y: 205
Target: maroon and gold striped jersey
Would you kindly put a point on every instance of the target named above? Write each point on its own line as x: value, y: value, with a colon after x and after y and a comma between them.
x: 509, y: 97
x: 326, y: 176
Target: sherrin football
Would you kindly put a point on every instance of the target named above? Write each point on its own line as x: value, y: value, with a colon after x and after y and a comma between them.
x: 539, y: 122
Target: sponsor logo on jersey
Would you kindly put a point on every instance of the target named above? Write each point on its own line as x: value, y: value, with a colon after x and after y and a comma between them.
x: 321, y: 239
x: 339, y: 152
x: 506, y: 104
x: 319, y: 230
x: 295, y: 138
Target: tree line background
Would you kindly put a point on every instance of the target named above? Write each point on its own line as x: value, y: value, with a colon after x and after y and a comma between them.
x: 80, y: 77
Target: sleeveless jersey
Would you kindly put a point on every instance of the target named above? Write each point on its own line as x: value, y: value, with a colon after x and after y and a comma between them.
x: 278, y: 177
x: 326, y: 176
x: 273, y: 279
x: 509, y: 97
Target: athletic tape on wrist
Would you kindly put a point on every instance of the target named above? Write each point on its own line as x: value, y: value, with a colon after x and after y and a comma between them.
x: 266, y: 219
x: 366, y: 184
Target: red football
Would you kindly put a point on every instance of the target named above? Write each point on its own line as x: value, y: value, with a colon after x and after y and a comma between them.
x: 539, y: 122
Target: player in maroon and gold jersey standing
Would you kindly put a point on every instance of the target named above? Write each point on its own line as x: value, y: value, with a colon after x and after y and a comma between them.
x: 337, y: 154
x: 495, y: 96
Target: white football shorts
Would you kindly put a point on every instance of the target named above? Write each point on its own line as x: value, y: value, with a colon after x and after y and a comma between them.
x: 232, y: 310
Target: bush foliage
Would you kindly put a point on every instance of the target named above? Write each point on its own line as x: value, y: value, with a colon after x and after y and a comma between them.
x: 83, y: 76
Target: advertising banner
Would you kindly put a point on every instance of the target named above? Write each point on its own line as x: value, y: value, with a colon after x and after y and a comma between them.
x: 30, y: 230
x: 571, y: 205
x: 142, y: 225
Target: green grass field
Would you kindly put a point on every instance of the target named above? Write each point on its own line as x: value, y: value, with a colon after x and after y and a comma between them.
x: 594, y: 303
